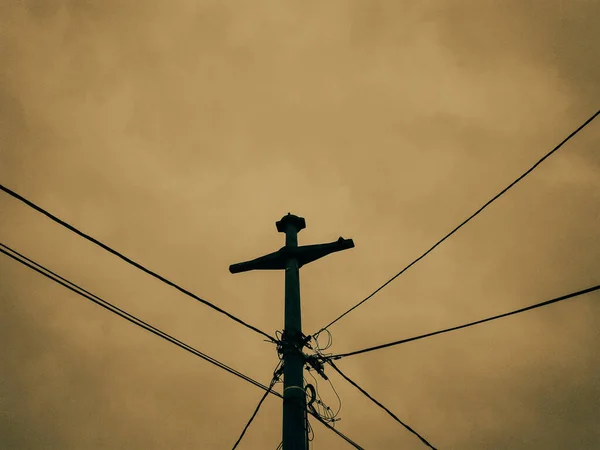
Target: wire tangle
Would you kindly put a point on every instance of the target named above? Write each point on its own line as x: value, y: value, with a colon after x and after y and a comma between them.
x: 318, y: 348
x: 318, y: 406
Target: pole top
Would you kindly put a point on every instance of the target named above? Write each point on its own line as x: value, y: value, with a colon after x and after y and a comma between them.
x: 290, y: 219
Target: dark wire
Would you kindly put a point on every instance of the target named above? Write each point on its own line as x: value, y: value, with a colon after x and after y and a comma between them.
x: 329, y: 341
x: 276, y: 375
x: 131, y: 318
x: 338, y: 432
x: 423, y: 440
x: 125, y: 315
x: 318, y: 398
x: 338, y: 397
x: 327, y: 413
x: 547, y: 155
x: 310, y: 432
x: 470, y: 324
x: 130, y: 261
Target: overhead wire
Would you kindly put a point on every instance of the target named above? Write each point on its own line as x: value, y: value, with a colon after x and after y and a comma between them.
x: 276, y: 374
x: 19, y: 257
x: 421, y: 438
x: 321, y: 409
x: 470, y: 324
x: 130, y: 261
x: 24, y: 260
x: 338, y: 432
x: 464, y: 222
x: 325, y: 412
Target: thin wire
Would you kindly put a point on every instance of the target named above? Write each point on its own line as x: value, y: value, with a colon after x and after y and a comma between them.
x: 310, y: 432
x: 338, y: 432
x: 470, y: 324
x: 276, y: 375
x: 329, y: 342
x: 130, y: 261
x: 338, y: 397
x: 423, y: 440
x: 125, y: 315
x: 131, y: 318
x: 547, y: 155
x: 322, y: 410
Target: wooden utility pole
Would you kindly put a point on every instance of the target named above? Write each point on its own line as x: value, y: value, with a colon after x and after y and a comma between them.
x: 291, y: 258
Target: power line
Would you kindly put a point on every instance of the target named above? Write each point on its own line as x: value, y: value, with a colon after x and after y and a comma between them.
x: 470, y: 324
x: 336, y: 431
x: 422, y: 439
x: 276, y: 374
x: 133, y: 319
x: 124, y: 314
x: 547, y: 155
x: 129, y: 260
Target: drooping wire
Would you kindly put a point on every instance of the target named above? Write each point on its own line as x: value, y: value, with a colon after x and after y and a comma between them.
x: 421, y: 438
x: 329, y: 342
x: 120, y: 312
x: 310, y: 432
x: 324, y: 411
x: 468, y: 219
x: 470, y: 324
x: 338, y: 397
x: 130, y: 261
x: 276, y: 374
x: 338, y: 432
x: 13, y: 254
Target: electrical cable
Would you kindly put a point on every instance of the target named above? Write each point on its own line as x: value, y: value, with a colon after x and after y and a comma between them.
x: 338, y: 432
x: 470, y: 324
x: 338, y: 397
x: 423, y: 440
x: 131, y: 318
x: 547, y: 155
x: 318, y: 347
x: 276, y: 374
x: 130, y: 261
x: 125, y: 315
x: 327, y: 413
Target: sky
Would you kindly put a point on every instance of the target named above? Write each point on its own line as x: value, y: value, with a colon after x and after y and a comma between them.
x: 179, y: 133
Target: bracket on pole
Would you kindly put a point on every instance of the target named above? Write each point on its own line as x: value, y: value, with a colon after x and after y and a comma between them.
x: 304, y: 254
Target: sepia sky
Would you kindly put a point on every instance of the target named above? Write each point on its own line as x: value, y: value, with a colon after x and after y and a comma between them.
x: 179, y: 132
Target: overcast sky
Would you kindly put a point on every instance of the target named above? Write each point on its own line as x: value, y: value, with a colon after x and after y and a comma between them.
x: 179, y: 132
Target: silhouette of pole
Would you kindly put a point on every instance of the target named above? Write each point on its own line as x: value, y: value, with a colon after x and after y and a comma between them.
x: 294, y: 397
x: 291, y: 258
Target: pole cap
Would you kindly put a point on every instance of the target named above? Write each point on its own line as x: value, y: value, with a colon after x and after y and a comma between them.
x: 290, y: 219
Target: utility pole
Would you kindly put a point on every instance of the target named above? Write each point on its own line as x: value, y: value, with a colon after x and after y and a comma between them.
x: 291, y: 258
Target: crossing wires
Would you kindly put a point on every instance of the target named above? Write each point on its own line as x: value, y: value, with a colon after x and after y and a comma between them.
x: 468, y: 219
x: 24, y: 260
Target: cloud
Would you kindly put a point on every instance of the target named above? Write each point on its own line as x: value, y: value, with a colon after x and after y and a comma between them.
x: 178, y: 133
